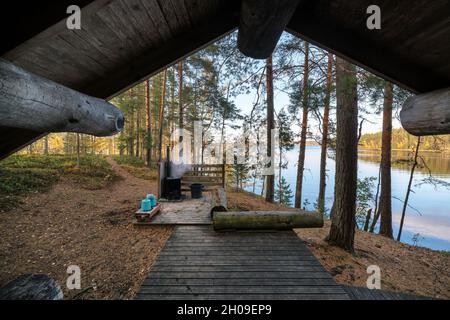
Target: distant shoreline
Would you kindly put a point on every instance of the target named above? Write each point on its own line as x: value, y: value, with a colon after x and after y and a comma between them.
x: 314, y: 144
x: 406, y: 150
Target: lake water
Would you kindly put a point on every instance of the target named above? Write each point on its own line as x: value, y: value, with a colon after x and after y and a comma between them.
x: 431, y: 224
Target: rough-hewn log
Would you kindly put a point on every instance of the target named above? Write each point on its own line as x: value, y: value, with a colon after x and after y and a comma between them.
x: 266, y: 220
x: 261, y: 24
x: 219, y: 201
x: 28, y: 101
x: 32, y: 287
x: 427, y: 114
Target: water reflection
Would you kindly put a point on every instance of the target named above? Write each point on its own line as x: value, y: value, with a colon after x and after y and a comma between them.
x: 437, y: 163
x: 432, y: 221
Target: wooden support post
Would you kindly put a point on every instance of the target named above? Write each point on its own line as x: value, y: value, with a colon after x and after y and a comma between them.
x: 30, y: 102
x: 267, y: 220
x: 261, y: 24
x: 427, y: 114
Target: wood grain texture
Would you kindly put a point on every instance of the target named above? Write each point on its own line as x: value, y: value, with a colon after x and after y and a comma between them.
x: 221, y: 270
x: 33, y: 103
x: 31, y: 286
x: 267, y: 220
x: 427, y: 114
x: 261, y: 24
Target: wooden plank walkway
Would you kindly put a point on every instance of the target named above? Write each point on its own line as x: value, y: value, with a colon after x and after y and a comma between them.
x: 186, y: 212
x: 198, y: 263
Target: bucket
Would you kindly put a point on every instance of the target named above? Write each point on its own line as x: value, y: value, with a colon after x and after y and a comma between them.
x: 196, y: 190
x: 152, y: 199
x: 146, y: 205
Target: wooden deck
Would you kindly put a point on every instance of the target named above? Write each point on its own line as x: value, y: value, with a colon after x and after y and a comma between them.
x: 186, y: 212
x: 198, y: 263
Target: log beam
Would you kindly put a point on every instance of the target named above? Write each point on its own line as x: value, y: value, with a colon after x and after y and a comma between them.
x: 28, y: 101
x: 31, y: 286
x: 261, y: 24
x: 267, y: 220
x: 427, y: 114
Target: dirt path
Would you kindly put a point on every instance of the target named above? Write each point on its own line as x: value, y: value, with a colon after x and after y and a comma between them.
x: 89, y: 228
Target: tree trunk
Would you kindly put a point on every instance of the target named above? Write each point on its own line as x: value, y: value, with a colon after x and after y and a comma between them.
x: 131, y: 135
x: 270, y: 125
x: 385, y: 194
x: 376, y: 213
x: 368, y: 216
x: 408, y: 191
x: 172, y: 111
x: 342, y: 231
x: 78, y: 150
x: 138, y: 134
x: 46, y: 145
x: 323, y: 152
x: 149, y: 123
x: 180, y: 103
x: 301, y: 153
x: 161, y: 113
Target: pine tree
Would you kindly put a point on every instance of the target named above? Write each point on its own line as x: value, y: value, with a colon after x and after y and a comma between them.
x: 342, y: 231
x: 283, y: 193
x: 304, y: 128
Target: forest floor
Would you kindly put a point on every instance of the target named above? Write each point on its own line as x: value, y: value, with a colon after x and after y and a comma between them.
x: 88, y: 227
x: 91, y: 226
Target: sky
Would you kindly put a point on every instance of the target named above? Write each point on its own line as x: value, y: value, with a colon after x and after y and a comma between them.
x: 281, y: 100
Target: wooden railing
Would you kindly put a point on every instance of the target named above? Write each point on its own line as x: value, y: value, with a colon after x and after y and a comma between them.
x: 210, y: 175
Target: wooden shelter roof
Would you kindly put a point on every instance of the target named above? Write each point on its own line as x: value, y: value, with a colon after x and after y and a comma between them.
x: 125, y: 41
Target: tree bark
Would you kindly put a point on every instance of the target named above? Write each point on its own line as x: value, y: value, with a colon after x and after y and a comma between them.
x: 180, y: 104
x: 427, y: 114
x: 367, y: 222
x: 161, y: 113
x: 302, y: 151
x: 172, y: 111
x: 149, y: 123
x: 270, y: 125
x: 78, y: 150
x: 30, y: 102
x: 266, y: 220
x: 46, y: 145
x: 376, y: 213
x: 342, y: 231
x: 323, y: 152
x: 408, y: 191
x: 138, y: 133
x: 385, y: 206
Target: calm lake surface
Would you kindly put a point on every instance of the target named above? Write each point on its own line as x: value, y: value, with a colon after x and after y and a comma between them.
x: 430, y: 226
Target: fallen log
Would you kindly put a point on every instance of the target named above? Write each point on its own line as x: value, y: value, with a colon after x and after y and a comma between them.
x: 261, y: 24
x: 31, y: 286
x: 266, y: 220
x: 427, y: 114
x: 28, y: 101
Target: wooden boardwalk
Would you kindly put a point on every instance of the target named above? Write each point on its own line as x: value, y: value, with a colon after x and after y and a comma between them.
x: 186, y: 212
x: 198, y: 263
